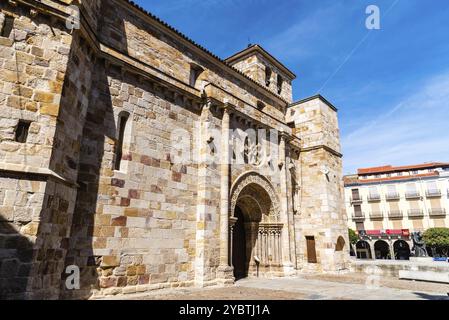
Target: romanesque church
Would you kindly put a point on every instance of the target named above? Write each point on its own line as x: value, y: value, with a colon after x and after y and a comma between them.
x: 135, y: 158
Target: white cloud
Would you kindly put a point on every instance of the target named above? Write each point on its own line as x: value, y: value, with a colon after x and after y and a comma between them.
x: 415, y: 130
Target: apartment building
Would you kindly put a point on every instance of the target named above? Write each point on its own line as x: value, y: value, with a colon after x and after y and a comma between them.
x: 386, y: 204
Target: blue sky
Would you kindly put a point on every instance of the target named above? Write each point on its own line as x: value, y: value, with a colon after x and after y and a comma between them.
x: 391, y: 85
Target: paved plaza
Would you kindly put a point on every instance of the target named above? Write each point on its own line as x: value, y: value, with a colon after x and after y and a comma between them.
x: 307, y: 287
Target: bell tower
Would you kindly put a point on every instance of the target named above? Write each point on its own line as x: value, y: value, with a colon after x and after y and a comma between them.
x: 256, y: 63
x: 321, y: 223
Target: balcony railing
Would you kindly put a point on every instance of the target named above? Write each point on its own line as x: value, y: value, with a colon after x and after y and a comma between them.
x: 376, y: 215
x: 358, y: 216
x: 415, y: 213
x: 373, y: 197
x: 412, y: 195
x: 392, y: 196
x: 356, y: 200
x: 395, y: 214
x: 437, y: 212
x: 433, y: 193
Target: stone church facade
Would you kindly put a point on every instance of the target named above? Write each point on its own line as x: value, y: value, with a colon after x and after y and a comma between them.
x: 132, y: 155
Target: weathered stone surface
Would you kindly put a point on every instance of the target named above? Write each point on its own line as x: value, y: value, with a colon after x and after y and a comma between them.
x: 138, y: 219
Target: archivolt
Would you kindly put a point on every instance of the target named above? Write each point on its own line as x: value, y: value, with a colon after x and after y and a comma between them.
x: 253, y: 178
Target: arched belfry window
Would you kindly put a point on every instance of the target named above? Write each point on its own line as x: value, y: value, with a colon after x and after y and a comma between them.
x: 268, y: 73
x: 122, y: 134
x: 280, y: 83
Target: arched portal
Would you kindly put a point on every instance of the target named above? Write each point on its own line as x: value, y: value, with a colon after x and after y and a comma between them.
x: 256, y: 234
x: 363, y: 250
x: 401, y: 250
x: 382, y: 250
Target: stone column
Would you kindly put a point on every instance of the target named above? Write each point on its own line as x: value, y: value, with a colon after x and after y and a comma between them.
x: 373, y: 251
x: 285, y: 238
x: 205, y: 258
x: 391, y: 250
x: 232, y: 222
x: 225, y: 271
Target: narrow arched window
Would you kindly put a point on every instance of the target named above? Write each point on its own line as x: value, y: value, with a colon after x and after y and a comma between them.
x: 280, y: 83
x: 268, y: 73
x: 195, y: 72
x: 122, y: 126
x: 6, y: 26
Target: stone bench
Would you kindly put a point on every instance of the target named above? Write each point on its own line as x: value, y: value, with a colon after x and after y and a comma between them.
x: 431, y: 276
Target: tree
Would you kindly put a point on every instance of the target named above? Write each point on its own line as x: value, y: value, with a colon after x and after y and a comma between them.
x: 437, y: 239
x: 353, y: 238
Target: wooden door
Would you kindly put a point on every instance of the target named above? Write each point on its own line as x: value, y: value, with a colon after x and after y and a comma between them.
x: 311, y: 250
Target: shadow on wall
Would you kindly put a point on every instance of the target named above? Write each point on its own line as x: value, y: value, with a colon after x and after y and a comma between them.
x: 99, y: 124
x: 16, y: 257
x: 34, y: 268
x: 29, y: 259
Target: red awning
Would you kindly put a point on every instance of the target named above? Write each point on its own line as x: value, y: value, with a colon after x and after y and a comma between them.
x: 390, y: 232
x: 373, y: 232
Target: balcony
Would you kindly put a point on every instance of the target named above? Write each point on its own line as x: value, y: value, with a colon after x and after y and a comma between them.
x: 415, y: 213
x: 358, y: 217
x: 435, y: 193
x: 373, y: 197
x: 357, y: 199
x: 376, y: 215
x: 395, y: 214
x: 437, y: 212
x: 392, y: 196
x: 412, y: 195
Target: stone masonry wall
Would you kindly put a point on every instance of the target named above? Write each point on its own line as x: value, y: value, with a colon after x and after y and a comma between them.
x: 160, y: 50
x: 154, y: 222
x: 321, y: 214
x: 143, y: 227
x: 33, y: 61
x: 254, y: 66
x: 34, y: 64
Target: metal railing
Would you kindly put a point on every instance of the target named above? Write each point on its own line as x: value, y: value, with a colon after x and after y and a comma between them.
x: 412, y: 195
x: 392, y: 196
x: 360, y: 216
x: 437, y: 212
x: 376, y: 215
x: 433, y: 193
x: 373, y: 197
x: 395, y: 214
x: 356, y: 199
x: 415, y: 213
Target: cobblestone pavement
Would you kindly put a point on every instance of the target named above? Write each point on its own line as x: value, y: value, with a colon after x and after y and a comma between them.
x: 309, y: 287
